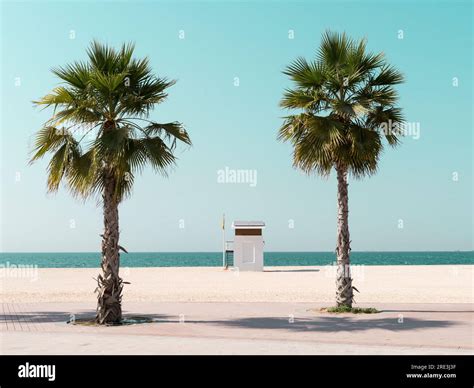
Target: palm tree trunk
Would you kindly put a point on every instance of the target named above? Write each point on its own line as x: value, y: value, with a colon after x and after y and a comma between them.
x: 109, y: 309
x: 344, y: 291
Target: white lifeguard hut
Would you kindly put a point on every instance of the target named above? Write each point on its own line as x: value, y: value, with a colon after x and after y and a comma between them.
x: 247, y: 247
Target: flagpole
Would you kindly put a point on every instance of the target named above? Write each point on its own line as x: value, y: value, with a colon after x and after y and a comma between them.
x: 223, y: 240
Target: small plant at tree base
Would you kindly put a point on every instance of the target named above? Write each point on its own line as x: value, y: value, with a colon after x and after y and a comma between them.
x: 353, y: 310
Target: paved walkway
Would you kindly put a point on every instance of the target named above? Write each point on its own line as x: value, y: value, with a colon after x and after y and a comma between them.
x: 239, y: 328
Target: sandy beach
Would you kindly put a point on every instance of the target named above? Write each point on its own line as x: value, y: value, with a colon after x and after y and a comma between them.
x: 377, y: 284
x: 422, y: 310
x: 239, y: 328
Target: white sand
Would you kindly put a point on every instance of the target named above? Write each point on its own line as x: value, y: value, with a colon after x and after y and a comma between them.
x: 384, y: 284
x: 100, y: 344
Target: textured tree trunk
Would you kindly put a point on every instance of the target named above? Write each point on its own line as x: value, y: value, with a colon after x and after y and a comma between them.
x: 109, y: 308
x: 344, y: 291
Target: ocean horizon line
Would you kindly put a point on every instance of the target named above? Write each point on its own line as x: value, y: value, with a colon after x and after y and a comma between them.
x: 215, y: 259
x: 275, y: 251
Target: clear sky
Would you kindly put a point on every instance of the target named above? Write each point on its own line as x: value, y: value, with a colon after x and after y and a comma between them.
x: 228, y: 68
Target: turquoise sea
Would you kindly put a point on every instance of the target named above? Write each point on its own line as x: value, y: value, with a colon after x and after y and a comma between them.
x: 214, y: 259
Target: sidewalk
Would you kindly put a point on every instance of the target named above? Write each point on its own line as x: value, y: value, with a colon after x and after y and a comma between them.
x: 239, y: 328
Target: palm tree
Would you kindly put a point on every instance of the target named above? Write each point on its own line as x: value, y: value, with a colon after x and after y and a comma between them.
x: 100, y: 136
x: 346, y: 102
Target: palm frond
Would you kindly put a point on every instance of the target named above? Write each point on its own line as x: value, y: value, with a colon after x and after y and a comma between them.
x: 50, y: 139
x: 387, y: 76
x: 76, y: 74
x: 169, y: 131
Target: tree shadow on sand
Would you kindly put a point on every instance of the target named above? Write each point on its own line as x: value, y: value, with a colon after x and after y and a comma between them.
x: 25, y: 318
x: 339, y: 323
x: 335, y: 324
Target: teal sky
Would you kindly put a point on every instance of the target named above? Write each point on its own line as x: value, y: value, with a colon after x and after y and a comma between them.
x: 235, y: 126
